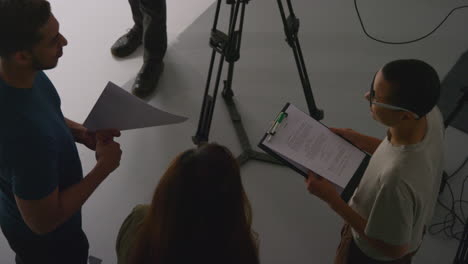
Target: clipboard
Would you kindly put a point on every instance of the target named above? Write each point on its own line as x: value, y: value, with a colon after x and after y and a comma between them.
x: 347, y: 191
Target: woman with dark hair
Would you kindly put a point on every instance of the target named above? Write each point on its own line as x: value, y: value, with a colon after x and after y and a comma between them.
x: 199, y: 214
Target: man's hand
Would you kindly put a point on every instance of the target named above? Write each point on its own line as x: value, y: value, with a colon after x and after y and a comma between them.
x: 366, y: 143
x: 322, y: 188
x: 89, y: 138
x: 346, y: 133
x: 108, y: 153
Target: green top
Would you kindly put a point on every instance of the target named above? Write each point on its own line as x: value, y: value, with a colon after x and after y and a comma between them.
x: 128, y: 231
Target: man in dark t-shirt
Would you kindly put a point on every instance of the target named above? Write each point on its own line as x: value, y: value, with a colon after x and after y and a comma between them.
x: 42, y: 188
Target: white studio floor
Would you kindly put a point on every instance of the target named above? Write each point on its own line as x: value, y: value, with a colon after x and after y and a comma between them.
x: 294, y: 227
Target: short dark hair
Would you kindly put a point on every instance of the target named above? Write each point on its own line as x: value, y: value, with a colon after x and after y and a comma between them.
x: 20, y: 21
x: 415, y: 85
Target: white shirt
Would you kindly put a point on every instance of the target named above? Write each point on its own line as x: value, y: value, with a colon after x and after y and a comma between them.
x: 399, y: 189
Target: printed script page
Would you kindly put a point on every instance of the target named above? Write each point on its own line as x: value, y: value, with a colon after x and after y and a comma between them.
x: 307, y: 142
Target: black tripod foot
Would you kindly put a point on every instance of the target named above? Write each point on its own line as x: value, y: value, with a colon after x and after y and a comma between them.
x: 247, y: 152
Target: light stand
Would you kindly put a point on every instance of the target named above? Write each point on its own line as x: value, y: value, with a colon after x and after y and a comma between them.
x: 228, y: 46
x: 463, y: 99
x: 462, y: 252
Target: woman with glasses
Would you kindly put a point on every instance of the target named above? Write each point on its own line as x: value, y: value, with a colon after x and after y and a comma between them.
x: 388, y: 213
x: 199, y: 214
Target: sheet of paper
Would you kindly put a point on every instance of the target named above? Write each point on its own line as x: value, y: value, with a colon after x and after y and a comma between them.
x: 116, y: 108
x: 313, y: 146
x: 305, y: 170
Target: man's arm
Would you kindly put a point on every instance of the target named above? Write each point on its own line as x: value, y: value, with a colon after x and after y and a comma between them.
x: 323, y: 189
x: 367, y: 143
x: 45, y: 215
x: 77, y: 129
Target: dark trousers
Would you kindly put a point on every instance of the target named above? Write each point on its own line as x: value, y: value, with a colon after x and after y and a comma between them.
x: 71, y: 249
x: 150, y: 17
x: 349, y: 253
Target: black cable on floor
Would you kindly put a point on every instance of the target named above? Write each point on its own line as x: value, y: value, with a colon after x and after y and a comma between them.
x: 452, y: 220
x: 459, y: 169
x: 403, y: 42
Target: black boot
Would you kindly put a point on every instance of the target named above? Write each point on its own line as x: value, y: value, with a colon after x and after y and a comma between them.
x: 128, y: 43
x: 147, y: 79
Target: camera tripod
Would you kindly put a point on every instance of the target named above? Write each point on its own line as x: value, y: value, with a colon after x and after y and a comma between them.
x: 228, y: 46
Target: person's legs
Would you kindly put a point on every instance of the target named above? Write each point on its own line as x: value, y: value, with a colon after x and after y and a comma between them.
x: 136, y: 14
x: 130, y: 41
x: 71, y: 250
x: 155, y: 46
x: 154, y: 29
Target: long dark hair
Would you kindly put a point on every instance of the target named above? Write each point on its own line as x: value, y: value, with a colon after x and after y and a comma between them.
x: 199, y: 213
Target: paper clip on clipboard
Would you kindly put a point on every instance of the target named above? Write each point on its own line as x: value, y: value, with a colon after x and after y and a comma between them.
x: 272, y: 131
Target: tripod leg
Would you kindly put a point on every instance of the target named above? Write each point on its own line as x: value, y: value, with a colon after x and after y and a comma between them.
x: 206, y: 114
x: 234, y: 55
x: 222, y: 44
x: 233, y: 51
x: 291, y: 28
x: 204, y: 121
x: 227, y: 91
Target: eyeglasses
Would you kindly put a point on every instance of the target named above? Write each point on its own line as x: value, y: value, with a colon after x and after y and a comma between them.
x: 391, y: 107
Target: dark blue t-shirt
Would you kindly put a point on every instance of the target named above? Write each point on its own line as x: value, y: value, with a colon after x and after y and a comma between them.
x: 37, y: 153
